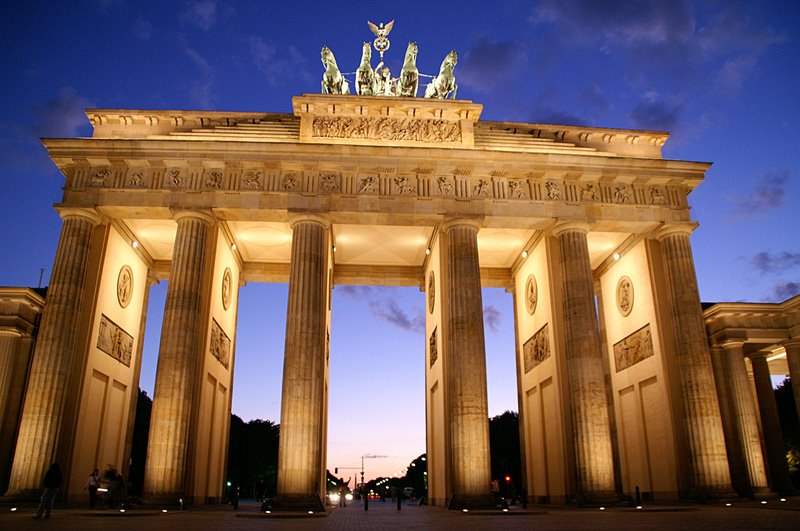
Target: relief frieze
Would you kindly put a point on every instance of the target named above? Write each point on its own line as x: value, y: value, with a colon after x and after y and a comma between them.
x: 434, y: 352
x: 633, y: 349
x: 379, y: 128
x: 220, y: 344
x: 114, y: 341
x: 536, y: 349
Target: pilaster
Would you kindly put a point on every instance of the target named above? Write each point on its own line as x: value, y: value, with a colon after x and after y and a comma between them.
x: 793, y: 360
x: 594, y: 460
x: 708, y: 455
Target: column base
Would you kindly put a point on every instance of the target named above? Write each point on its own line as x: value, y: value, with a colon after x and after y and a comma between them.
x: 297, y: 502
x: 598, y: 499
x: 172, y: 501
x: 480, y: 501
x: 23, y: 496
x: 710, y: 493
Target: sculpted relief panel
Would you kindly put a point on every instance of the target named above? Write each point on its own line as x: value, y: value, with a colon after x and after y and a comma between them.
x: 115, y: 341
x: 537, y: 186
x: 220, y: 344
x: 633, y: 349
x: 536, y: 349
x: 375, y: 128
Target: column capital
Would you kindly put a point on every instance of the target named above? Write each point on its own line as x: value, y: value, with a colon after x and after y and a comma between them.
x: 791, y: 343
x: 89, y: 214
x: 569, y: 226
x: 449, y: 223
x: 669, y: 229
x: 313, y: 217
x: 759, y: 355
x: 731, y: 343
x: 179, y: 214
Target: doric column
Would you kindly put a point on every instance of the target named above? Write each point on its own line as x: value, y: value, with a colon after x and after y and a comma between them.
x: 302, y: 402
x: 594, y: 460
x: 178, y: 355
x: 744, y: 417
x: 771, y: 425
x: 709, y: 459
x: 466, y: 365
x: 53, y: 356
x: 793, y: 360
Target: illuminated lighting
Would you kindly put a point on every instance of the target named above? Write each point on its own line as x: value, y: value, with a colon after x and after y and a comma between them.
x: 602, y: 508
x: 134, y: 244
x: 776, y: 356
x: 233, y: 247
x: 763, y: 502
x: 267, y: 512
x: 102, y: 489
x: 348, y: 497
x: 524, y: 254
x: 334, y: 498
x: 424, y: 459
x: 465, y: 510
x: 310, y: 512
x: 783, y: 499
x: 727, y: 505
x: 505, y: 510
x: 13, y: 509
x: 427, y: 252
x: 638, y: 506
x: 122, y: 510
x: 615, y: 256
x: 164, y: 510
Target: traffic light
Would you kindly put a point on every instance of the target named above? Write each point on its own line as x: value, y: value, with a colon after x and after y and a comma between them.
x: 508, y: 479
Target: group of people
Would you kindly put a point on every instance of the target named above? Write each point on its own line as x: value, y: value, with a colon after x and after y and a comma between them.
x: 112, y: 483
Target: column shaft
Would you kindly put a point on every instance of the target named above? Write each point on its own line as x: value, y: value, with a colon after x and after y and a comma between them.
x: 466, y: 365
x: 744, y: 416
x: 771, y: 426
x: 302, y: 411
x: 179, y: 353
x: 594, y: 459
x: 708, y: 456
x: 793, y: 360
x: 53, y: 357
x: 740, y: 477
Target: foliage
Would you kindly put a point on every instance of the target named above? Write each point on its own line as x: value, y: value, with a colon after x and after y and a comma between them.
x: 505, y: 452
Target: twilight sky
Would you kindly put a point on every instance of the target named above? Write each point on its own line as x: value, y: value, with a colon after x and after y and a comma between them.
x: 721, y: 76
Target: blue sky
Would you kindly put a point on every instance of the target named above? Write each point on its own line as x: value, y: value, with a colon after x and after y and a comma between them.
x: 721, y: 76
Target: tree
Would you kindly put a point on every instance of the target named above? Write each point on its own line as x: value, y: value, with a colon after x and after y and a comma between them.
x: 505, y: 452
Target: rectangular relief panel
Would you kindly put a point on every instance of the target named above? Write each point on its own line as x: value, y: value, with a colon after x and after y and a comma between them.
x: 634, y: 348
x: 536, y: 349
x: 220, y: 344
x: 115, y: 341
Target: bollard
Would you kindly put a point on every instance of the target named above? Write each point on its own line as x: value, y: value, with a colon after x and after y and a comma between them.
x: 638, y: 497
x: 366, y: 502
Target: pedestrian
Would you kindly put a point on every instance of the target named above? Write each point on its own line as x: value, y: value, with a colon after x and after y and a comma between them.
x: 51, y: 483
x: 91, y: 485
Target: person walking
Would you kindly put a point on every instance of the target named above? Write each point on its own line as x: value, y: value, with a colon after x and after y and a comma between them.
x: 91, y: 485
x: 51, y: 484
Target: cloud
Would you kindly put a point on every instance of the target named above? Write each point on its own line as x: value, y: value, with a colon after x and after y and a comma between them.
x: 492, y: 317
x: 653, y: 112
x: 202, y: 90
x: 391, y: 312
x: 769, y: 193
x: 142, y: 28
x: 375, y: 456
x: 783, y: 290
x: 277, y: 65
x: 356, y: 292
x: 61, y: 116
x: 489, y: 65
x: 201, y: 14
x: 545, y: 114
x: 594, y: 98
x: 766, y: 262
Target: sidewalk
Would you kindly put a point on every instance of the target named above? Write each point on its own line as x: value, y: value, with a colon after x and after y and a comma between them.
x: 385, y: 516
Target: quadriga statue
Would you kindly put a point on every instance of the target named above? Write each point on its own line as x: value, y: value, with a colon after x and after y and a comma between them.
x: 444, y: 85
x: 333, y: 82
x: 365, y: 76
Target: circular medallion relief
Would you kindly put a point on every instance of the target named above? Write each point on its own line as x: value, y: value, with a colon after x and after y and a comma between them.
x: 431, y: 292
x: 227, y: 280
x: 531, y: 294
x: 625, y: 295
x: 124, y: 286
